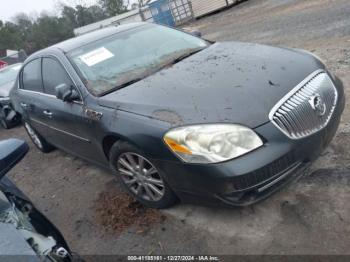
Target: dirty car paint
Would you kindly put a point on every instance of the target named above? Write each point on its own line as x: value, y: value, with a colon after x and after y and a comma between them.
x: 218, y: 84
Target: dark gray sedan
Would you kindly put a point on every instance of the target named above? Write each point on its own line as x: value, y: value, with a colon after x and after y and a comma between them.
x: 178, y: 117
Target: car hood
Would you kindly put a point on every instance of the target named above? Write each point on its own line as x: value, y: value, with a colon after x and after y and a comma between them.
x: 6, y: 88
x: 226, y: 82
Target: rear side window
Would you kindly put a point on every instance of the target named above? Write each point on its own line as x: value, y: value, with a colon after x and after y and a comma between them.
x: 31, y: 76
x: 53, y: 75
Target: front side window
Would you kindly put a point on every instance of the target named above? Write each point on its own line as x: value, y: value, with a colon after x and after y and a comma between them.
x: 111, y: 63
x: 31, y: 76
x: 53, y: 75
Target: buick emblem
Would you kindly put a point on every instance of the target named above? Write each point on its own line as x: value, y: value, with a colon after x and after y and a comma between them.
x: 318, y: 104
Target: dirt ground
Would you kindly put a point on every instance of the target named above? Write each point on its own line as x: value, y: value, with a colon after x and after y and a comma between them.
x: 308, y: 217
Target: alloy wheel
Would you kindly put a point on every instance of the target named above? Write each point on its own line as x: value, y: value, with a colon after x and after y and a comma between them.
x: 140, y: 176
x: 33, y: 135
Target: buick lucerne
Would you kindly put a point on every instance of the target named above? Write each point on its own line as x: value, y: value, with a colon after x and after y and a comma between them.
x: 178, y: 117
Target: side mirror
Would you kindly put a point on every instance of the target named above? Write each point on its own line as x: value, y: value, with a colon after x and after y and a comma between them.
x: 11, y: 152
x: 66, y: 93
x: 196, y: 33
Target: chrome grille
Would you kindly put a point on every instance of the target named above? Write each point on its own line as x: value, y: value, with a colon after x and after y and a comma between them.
x: 307, y: 108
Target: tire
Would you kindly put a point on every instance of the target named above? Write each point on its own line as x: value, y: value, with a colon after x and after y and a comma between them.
x: 141, y: 178
x: 37, y: 139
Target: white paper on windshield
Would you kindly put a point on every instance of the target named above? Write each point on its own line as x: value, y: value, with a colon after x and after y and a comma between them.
x: 96, y: 56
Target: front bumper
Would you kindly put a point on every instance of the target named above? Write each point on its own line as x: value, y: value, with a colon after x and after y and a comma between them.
x: 254, y: 176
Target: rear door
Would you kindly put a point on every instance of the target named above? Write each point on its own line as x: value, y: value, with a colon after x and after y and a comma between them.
x: 30, y: 95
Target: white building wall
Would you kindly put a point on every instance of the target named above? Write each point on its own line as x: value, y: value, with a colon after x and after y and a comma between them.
x: 129, y: 17
x: 203, y: 7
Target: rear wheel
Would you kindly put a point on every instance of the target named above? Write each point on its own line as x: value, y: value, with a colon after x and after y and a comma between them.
x: 140, y: 176
x: 37, y: 139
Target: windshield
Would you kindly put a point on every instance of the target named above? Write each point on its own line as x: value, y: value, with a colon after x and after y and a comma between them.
x: 126, y: 57
x: 9, y: 74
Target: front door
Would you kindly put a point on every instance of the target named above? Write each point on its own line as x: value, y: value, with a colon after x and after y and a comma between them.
x: 67, y: 124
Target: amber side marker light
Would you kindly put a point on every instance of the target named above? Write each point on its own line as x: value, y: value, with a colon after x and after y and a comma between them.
x: 176, y: 147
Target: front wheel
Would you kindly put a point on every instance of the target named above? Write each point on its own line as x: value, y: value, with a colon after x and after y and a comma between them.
x: 37, y: 139
x: 140, y: 177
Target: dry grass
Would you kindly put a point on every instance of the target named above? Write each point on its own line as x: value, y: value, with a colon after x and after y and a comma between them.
x: 117, y: 212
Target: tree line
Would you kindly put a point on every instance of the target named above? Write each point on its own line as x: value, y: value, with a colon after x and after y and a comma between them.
x: 32, y: 34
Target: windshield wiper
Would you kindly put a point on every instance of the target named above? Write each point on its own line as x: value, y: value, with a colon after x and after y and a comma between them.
x: 176, y: 60
x: 121, y: 86
x: 179, y: 58
x: 187, y: 54
x: 128, y: 83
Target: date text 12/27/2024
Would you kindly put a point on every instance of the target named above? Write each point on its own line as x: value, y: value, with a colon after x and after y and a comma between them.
x: 173, y: 258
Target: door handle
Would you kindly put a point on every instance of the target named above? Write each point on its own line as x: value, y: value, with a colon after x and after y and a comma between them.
x: 47, y: 113
x: 24, y: 105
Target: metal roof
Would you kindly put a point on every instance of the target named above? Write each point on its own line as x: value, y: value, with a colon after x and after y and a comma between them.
x: 100, y: 24
x: 87, y: 38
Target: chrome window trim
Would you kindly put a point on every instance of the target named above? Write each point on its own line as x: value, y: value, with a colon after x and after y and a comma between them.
x: 292, y: 92
x: 48, y: 95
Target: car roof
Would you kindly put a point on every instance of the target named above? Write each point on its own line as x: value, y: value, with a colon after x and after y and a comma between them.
x: 87, y: 38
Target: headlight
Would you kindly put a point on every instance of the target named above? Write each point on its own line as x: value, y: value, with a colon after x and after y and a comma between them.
x: 211, y: 143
